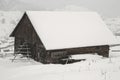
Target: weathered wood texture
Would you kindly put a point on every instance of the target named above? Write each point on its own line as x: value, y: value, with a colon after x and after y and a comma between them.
x: 56, y: 55
x: 25, y: 32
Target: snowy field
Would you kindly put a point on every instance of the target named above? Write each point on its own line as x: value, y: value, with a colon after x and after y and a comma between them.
x: 93, y: 68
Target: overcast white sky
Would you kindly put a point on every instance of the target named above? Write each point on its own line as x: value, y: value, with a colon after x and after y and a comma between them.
x: 110, y: 8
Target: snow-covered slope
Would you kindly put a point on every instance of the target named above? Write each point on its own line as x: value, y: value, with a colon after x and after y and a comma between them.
x: 8, y: 21
x: 113, y: 24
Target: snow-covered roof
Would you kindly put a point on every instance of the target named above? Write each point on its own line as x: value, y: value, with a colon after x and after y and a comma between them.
x: 59, y: 30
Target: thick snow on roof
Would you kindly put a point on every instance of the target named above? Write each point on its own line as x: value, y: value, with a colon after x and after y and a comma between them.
x: 59, y: 30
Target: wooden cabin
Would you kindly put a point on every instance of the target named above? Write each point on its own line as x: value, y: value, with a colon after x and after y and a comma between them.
x: 51, y: 36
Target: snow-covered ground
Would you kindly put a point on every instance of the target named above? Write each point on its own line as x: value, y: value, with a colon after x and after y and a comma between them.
x: 93, y: 68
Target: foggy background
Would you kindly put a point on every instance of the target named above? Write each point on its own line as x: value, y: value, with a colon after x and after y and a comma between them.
x: 107, y: 8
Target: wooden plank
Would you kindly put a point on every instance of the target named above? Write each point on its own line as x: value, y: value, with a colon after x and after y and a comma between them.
x: 23, y: 48
x: 23, y: 52
x: 115, y: 50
